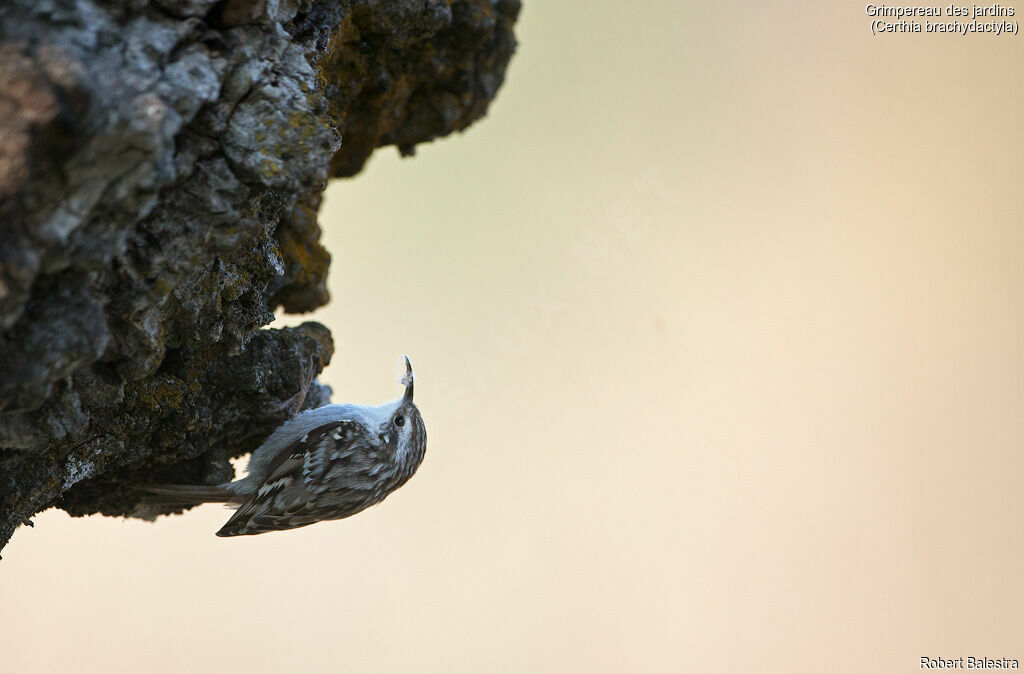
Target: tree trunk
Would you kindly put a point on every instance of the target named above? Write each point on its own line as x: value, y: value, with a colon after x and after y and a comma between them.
x: 161, y: 164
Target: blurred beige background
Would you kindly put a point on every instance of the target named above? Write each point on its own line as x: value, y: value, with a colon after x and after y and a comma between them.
x: 718, y: 322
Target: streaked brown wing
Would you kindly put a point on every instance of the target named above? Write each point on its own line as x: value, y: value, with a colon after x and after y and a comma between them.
x: 298, y: 463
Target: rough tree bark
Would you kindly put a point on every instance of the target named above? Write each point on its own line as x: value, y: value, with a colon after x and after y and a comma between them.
x: 161, y: 165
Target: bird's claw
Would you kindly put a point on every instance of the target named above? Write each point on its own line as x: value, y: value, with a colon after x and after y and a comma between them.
x: 294, y: 403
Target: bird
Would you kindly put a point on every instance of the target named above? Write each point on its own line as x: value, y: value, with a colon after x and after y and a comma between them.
x: 327, y: 463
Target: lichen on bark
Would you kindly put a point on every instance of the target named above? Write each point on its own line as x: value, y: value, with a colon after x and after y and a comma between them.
x: 161, y: 168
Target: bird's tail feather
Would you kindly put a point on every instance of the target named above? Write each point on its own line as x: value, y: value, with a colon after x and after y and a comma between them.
x: 189, y: 493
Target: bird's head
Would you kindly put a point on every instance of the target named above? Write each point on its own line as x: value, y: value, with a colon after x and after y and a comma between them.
x: 405, y: 426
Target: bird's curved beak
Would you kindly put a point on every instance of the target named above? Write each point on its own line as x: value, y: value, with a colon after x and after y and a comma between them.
x: 407, y: 380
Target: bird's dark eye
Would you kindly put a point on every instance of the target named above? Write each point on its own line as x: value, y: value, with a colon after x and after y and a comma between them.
x: 399, y: 420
